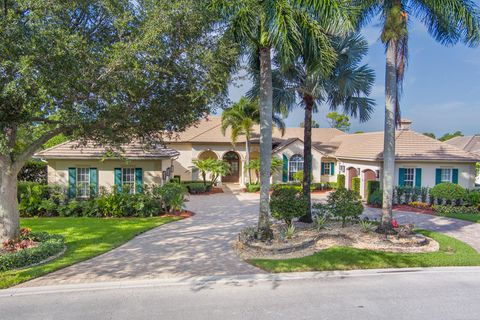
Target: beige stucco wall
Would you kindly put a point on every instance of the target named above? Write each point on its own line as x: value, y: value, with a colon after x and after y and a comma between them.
x: 152, y: 170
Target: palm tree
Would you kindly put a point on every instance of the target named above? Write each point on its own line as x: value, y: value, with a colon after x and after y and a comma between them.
x: 261, y: 26
x: 449, y: 22
x: 241, y: 118
x: 312, y: 84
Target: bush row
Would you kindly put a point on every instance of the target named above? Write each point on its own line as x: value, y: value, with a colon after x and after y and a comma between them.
x: 50, y: 245
x: 47, y: 200
x: 459, y: 210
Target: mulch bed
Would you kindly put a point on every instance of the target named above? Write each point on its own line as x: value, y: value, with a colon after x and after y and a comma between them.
x: 212, y: 191
x: 183, y: 214
x: 407, y: 208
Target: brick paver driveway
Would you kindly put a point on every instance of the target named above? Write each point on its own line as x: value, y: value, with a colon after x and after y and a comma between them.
x: 198, y: 246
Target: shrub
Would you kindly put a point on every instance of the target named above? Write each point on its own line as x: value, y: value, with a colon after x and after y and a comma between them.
x: 34, y: 171
x: 172, y: 196
x: 372, y: 186
x: 450, y: 192
x: 287, y: 203
x: 321, y: 210
x: 473, y: 197
x: 356, y: 185
x: 50, y: 245
x: 366, y: 225
x: 197, y: 187
x: 345, y: 205
x: 253, y: 187
x: 419, y: 205
x: 459, y: 210
x: 320, y: 222
x: 376, y: 198
x: 341, y: 181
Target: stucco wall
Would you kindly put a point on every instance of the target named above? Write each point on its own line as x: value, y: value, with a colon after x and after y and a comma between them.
x: 152, y: 170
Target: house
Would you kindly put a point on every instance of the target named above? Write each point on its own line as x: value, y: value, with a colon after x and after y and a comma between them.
x: 86, y: 168
x: 420, y: 161
x: 470, y: 144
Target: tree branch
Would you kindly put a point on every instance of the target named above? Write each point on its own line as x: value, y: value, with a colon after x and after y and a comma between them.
x: 34, y: 146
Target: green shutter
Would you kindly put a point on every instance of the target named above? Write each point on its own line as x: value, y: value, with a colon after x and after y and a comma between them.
x: 94, y: 182
x: 323, y: 168
x: 401, y: 177
x: 455, y: 176
x: 118, y: 179
x: 332, y: 168
x: 285, y: 169
x: 72, y: 182
x: 139, y: 180
x: 438, y: 176
x: 418, y: 177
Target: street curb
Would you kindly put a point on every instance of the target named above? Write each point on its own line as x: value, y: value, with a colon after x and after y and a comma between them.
x: 234, y: 279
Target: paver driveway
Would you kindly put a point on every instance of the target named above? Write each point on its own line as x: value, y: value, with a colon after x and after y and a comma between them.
x: 198, y: 246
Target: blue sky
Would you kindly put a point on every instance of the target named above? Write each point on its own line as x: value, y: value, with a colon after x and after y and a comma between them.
x: 441, y: 88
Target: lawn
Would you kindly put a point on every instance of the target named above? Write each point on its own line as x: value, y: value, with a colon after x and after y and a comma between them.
x: 473, y: 217
x: 85, y: 238
x: 452, y: 253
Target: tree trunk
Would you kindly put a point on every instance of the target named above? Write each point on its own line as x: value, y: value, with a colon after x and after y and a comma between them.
x: 247, y: 159
x: 9, y: 215
x: 266, y: 110
x: 389, y: 139
x: 307, y: 157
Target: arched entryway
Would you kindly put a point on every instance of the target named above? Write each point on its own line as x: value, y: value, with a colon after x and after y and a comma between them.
x: 368, y: 175
x: 207, y: 154
x: 233, y: 160
x: 352, y: 173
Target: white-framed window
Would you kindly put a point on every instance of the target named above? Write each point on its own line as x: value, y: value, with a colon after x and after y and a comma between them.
x: 295, y: 165
x: 327, y: 168
x: 446, y: 175
x: 409, y: 177
x: 128, y: 180
x: 83, y: 182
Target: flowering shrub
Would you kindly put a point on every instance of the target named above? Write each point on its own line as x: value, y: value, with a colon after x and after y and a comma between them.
x: 446, y: 210
x: 419, y: 205
x: 394, y: 223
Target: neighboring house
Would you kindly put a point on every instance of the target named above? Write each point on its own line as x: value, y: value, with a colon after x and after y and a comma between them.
x: 470, y: 144
x: 84, y: 169
x: 420, y: 161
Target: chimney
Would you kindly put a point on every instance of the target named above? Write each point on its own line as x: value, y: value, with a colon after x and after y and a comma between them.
x: 405, y: 124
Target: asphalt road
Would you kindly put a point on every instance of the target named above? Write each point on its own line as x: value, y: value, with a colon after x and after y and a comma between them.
x: 448, y: 293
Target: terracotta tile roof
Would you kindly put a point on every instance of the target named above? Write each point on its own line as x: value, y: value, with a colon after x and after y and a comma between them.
x: 469, y: 143
x: 134, y: 150
x: 410, y: 145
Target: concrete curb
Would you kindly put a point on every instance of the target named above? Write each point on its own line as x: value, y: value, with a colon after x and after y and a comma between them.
x: 211, y: 280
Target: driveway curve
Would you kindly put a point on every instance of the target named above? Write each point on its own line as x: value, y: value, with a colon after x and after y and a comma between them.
x: 198, y: 246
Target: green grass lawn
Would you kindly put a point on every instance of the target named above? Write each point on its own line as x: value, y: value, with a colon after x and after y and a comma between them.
x: 464, y: 216
x: 452, y: 253
x: 85, y: 238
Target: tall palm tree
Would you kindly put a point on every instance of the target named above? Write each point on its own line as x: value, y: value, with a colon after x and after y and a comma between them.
x: 279, y: 25
x: 241, y: 118
x: 448, y: 22
x: 309, y: 84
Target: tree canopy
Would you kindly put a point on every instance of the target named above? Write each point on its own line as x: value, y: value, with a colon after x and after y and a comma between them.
x: 339, y: 121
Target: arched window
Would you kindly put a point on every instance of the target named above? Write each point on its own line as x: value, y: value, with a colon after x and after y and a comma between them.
x: 296, y: 164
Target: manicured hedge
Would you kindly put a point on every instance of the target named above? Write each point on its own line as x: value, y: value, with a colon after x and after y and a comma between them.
x: 372, y: 186
x: 50, y: 245
x: 356, y: 185
x: 341, y: 181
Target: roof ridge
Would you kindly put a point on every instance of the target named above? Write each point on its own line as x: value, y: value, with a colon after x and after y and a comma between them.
x: 54, y: 147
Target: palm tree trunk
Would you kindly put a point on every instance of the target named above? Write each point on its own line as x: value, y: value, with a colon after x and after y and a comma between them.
x: 247, y: 159
x: 266, y: 109
x: 307, y: 157
x: 389, y: 138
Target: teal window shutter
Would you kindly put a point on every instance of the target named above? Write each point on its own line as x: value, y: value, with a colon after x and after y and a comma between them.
x: 438, y: 176
x: 418, y: 177
x: 332, y: 168
x: 323, y: 168
x: 72, y: 182
x: 401, y: 177
x: 455, y: 176
x: 118, y: 179
x: 285, y: 169
x: 138, y: 180
x: 94, y: 182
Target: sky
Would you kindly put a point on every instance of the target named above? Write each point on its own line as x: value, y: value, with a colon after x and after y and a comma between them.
x: 441, y: 86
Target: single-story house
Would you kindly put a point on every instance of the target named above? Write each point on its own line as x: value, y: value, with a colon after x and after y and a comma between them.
x: 420, y: 160
x: 85, y: 168
x: 470, y: 144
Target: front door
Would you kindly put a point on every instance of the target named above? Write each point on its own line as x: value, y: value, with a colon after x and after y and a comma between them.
x: 234, y: 162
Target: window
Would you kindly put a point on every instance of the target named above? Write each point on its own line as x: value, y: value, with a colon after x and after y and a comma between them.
x: 326, y: 168
x: 296, y: 164
x: 409, y: 177
x: 128, y: 180
x: 446, y: 175
x: 83, y: 182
